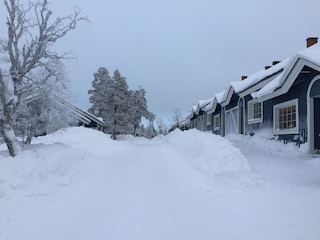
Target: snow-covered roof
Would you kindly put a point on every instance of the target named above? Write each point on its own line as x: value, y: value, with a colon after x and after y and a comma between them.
x: 209, y: 106
x: 185, y: 122
x: 201, y: 105
x: 204, y: 103
x: 311, y: 54
x: 240, y: 86
x: 194, y: 109
x: 253, y: 79
x: 85, y: 115
x: 264, y: 82
x: 214, y: 101
x: 219, y: 96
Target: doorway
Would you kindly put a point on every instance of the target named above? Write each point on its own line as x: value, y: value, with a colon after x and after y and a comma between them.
x: 316, y: 123
x: 314, y: 115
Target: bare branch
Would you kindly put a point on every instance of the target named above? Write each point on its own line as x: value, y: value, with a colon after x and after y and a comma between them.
x: 31, y: 32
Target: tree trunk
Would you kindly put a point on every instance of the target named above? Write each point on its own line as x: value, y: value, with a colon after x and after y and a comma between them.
x: 29, y: 138
x: 10, y: 139
x: 135, y: 130
x: 114, y: 135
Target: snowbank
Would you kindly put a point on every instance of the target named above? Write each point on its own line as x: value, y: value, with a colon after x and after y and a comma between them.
x: 263, y: 142
x: 50, y: 162
x: 38, y: 170
x: 80, y: 184
x: 211, y: 154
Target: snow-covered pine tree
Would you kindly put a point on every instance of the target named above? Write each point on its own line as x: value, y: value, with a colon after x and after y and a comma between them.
x: 120, y: 108
x: 98, y: 92
x: 138, y: 108
x: 121, y: 123
x: 107, y: 109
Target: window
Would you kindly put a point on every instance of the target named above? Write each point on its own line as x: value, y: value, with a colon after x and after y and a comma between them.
x: 254, y: 112
x: 216, y: 122
x: 209, y: 116
x: 192, y: 123
x: 286, y: 117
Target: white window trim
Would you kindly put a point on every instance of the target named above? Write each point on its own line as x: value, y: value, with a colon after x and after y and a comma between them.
x: 275, y: 110
x: 254, y: 120
x: 214, y: 122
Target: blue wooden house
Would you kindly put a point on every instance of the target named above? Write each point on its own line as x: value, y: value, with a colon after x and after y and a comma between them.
x: 283, y: 97
x: 213, y: 110
x: 198, y: 117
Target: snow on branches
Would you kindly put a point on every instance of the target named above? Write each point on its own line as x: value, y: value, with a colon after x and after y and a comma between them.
x: 30, y: 64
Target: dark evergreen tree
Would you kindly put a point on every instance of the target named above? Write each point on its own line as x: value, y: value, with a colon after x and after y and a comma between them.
x: 121, y: 100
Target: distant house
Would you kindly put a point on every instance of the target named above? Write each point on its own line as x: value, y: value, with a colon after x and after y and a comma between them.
x: 284, y: 97
x: 213, y: 110
x: 198, y: 116
x: 82, y: 117
x: 86, y: 119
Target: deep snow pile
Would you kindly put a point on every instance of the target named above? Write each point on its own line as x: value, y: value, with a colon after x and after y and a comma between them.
x: 212, y: 155
x: 48, y: 163
x: 278, y: 162
x: 80, y: 184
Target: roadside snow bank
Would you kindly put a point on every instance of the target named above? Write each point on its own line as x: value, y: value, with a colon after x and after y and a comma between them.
x: 263, y: 142
x: 38, y: 171
x: 210, y: 154
x: 77, y: 136
x: 50, y: 162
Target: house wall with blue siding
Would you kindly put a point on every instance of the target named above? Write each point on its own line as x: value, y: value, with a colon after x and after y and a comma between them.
x: 297, y: 91
x: 193, y: 120
x: 252, y: 127
x: 217, y: 111
x: 233, y: 102
x: 201, y: 121
x: 209, y: 126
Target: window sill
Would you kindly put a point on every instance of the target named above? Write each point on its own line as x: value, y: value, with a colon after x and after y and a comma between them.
x: 253, y: 121
x: 287, y: 131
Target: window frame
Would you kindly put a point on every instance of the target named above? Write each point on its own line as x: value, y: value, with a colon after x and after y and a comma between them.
x: 276, y: 117
x: 251, y: 118
x: 209, y: 119
x: 216, y: 128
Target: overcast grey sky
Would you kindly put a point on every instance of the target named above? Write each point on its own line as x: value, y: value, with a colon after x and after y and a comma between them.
x: 182, y: 51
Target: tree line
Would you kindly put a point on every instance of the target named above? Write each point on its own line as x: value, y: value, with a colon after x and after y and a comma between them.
x: 34, y: 91
x: 120, y: 108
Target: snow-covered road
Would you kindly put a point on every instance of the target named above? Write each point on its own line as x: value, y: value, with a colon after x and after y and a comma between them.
x: 82, y: 185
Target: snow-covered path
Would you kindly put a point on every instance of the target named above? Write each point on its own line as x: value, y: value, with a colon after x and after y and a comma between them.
x: 139, y: 189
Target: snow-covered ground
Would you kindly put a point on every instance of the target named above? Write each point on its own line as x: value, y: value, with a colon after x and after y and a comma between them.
x: 79, y: 184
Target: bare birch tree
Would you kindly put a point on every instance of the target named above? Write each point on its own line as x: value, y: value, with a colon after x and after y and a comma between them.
x: 176, y: 116
x: 31, y: 33
x: 161, y: 126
